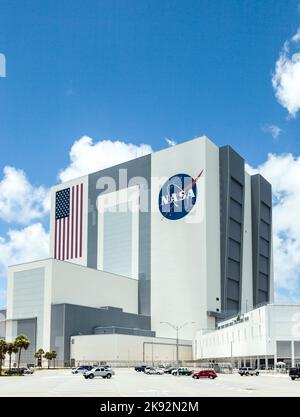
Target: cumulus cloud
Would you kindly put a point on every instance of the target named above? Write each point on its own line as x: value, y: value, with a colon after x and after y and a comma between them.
x: 274, y: 130
x: 286, y: 79
x: 283, y: 171
x: 170, y: 142
x: 24, y: 245
x: 87, y: 156
x: 296, y: 38
x: 20, y: 201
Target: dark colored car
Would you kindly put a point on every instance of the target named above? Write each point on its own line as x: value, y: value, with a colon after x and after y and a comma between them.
x: 140, y: 368
x: 15, y: 371
x: 27, y: 371
x: 169, y: 370
x: 294, y: 373
x: 208, y: 373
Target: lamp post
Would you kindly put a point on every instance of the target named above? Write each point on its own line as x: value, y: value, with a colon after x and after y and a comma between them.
x: 177, y: 328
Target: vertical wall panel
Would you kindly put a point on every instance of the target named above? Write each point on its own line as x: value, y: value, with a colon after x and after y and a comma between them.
x: 232, y: 183
x: 138, y: 172
x: 261, y: 238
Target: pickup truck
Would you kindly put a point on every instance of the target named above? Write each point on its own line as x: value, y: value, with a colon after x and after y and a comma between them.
x: 102, y: 371
x: 294, y: 373
x: 182, y: 371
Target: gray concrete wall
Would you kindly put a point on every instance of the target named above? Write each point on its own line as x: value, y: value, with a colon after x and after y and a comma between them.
x: 261, y: 238
x: 2, y: 324
x: 70, y: 319
x: 140, y: 167
x: 232, y: 190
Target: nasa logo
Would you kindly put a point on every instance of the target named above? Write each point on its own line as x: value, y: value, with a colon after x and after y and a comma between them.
x: 178, y: 196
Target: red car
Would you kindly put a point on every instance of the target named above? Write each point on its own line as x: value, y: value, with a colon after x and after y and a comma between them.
x: 208, y: 373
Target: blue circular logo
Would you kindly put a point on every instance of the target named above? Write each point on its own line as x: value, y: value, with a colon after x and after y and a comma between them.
x: 178, y: 196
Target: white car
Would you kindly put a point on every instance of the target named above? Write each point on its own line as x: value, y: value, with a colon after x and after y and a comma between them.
x: 153, y: 371
x: 248, y: 371
x: 102, y: 371
x: 81, y: 369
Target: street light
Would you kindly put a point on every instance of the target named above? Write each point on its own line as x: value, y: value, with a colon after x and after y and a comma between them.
x: 177, y: 328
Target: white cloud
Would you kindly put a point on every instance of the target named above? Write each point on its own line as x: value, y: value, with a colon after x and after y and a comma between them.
x: 274, y: 130
x: 170, y: 142
x: 20, y: 201
x: 286, y: 79
x: 25, y: 245
x: 296, y: 38
x: 283, y: 172
x: 87, y: 156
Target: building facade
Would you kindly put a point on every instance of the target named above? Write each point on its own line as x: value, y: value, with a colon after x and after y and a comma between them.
x: 260, y: 338
x: 179, y: 238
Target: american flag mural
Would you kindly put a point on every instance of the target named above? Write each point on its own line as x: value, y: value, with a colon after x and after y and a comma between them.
x: 68, y: 223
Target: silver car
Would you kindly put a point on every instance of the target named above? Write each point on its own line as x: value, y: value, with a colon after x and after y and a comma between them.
x: 153, y: 371
x: 102, y: 371
x: 248, y: 371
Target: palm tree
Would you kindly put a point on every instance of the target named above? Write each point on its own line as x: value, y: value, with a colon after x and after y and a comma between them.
x: 3, y: 350
x: 54, y: 356
x: 38, y: 355
x: 11, y: 348
x: 22, y: 342
x: 48, y: 355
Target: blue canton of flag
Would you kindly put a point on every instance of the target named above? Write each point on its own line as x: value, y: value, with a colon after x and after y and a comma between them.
x: 62, y: 204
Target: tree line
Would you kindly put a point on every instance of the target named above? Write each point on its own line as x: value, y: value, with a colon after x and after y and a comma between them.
x: 22, y: 343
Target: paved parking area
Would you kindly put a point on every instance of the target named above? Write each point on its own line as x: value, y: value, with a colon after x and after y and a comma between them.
x: 127, y: 383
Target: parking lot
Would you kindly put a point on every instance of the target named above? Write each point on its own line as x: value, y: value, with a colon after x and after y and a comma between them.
x: 127, y: 383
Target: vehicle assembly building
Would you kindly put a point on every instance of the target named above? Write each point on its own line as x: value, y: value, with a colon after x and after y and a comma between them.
x: 147, y: 253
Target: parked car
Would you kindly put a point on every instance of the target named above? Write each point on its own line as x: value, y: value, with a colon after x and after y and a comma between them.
x: 153, y: 371
x: 99, y: 371
x: 26, y: 370
x: 248, y: 371
x: 169, y: 370
x: 81, y: 369
x: 182, y: 371
x: 17, y: 371
x: 294, y: 373
x: 208, y: 373
x: 140, y: 368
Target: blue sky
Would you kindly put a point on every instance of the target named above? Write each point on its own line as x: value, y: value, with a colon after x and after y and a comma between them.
x: 140, y: 71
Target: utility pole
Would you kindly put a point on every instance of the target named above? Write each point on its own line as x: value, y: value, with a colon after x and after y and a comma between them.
x: 177, y: 328
x: 177, y: 345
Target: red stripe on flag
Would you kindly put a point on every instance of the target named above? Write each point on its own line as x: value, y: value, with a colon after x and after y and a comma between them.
x: 63, y: 240
x: 76, y: 229
x: 68, y: 223
x: 80, y: 230
x: 72, y: 224
x: 59, y: 237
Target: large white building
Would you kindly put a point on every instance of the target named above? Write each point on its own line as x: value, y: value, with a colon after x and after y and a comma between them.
x: 179, y: 238
x: 263, y: 337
